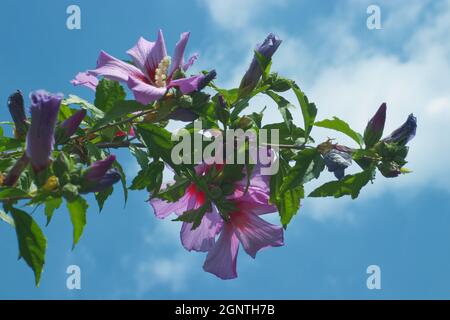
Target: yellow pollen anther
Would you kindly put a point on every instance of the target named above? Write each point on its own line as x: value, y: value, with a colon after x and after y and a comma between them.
x: 161, y: 72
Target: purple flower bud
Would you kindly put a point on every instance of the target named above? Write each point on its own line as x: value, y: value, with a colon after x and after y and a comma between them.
x: 70, y: 125
x: 107, y: 180
x: 405, y: 133
x: 222, y: 101
x: 375, y: 127
x: 99, y: 168
x: 16, y: 171
x: 337, y: 161
x: 17, y: 111
x: 254, y: 72
x: 40, y: 139
x: 206, y: 79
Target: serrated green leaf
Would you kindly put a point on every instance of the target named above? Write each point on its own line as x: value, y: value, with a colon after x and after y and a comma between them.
x: 341, y: 126
x: 32, y: 242
x: 158, y: 141
x: 309, y: 110
x: 150, y: 178
x: 140, y: 155
x: 307, y: 166
x: 123, y: 179
x: 194, y: 216
x: 283, y: 107
x: 118, y: 110
x: 350, y: 185
x: 72, y: 99
x: 102, y: 196
x: 11, y: 193
x: 51, y: 204
x: 9, y: 144
x: 107, y: 93
x: 287, y: 203
x: 77, y: 210
x: 174, y: 191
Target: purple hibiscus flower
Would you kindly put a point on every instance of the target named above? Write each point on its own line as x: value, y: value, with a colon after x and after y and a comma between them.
x: 152, y: 70
x: 202, y: 238
x: 244, y: 226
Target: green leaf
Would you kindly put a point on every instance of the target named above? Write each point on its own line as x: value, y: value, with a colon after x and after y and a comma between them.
x: 309, y: 110
x: 32, y: 242
x: 283, y: 107
x: 158, y: 141
x: 174, y: 191
x: 72, y: 99
x: 350, y: 185
x: 288, y: 203
x: 309, y: 164
x: 102, y: 196
x: 279, y: 84
x: 230, y: 96
x: 77, y: 210
x: 119, y: 110
x: 107, y: 93
x: 9, y: 143
x: 123, y: 179
x: 8, y: 193
x: 140, y: 155
x: 341, y: 126
x: 51, y: 204
x: 296, y: 136
x: 150, y: 178
x: 194, y: 216
x: 5, y: 163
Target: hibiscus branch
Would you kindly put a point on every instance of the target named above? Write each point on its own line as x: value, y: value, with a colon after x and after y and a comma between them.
x: 287, y: 146
x: 130, y: 119
x: 119, y: 144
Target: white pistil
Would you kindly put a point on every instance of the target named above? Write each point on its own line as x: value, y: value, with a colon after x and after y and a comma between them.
x: 161, y: 72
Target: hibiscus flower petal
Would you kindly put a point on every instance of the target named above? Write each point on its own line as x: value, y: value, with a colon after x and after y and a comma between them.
x: 140, y: 52
x: 115, y: 69
x: 256, y: 233
x: 190, y: 61
x: 187, y: 85
x: 178, y: 55
x: 85, y: 79
x: 202, y: 238
x: 156, y: 54
x: 143, y: 92
x: 163, y: 209
x: 221, y: 259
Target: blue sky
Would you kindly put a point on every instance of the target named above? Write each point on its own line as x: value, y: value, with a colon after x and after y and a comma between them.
x: 402, y: 225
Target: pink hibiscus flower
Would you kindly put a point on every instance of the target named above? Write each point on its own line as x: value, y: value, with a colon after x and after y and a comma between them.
x: 244, y: 227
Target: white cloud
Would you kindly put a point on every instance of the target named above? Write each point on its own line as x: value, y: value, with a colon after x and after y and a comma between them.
x: 237, y: 14
x: 164, y: 271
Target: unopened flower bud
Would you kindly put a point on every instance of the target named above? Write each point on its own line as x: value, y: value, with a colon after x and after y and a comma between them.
x: 17, y: 111
x: 404, y: 133
x: 375, y: 127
